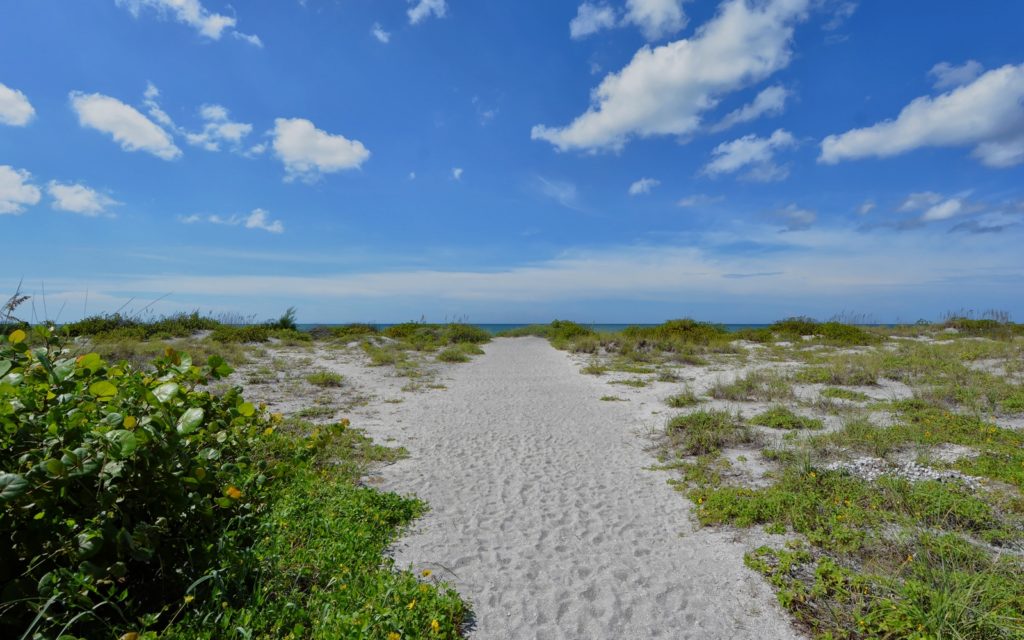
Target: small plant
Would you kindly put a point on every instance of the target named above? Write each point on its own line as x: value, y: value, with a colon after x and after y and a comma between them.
x: 780, y: 417
x: 704, y: 432
x: 685, y: 398
x: 631, y: 382
x: 844, y: 394
x: 452, y: 354
x: 594, y: 368
x: 758, y: 384
x: 613, y: 399
x: 325, y: 379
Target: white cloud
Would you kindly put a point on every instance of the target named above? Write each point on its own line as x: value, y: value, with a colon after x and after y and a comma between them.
x: 457, y: 173
x: 656, y: 18
x: 16, y: 192
x: 797, y: 219
x: 412, y: 175
x: 134, y: 131
x: 920, y: 200
x: 751, y: 151
x: 218, y: 129
x: 78, y: 198
x: 987, y: 114
x: 867, y: 207
x: 935, y: 207
x: 842, y: 12
x: 769, y: 102
x: 423, y: 9
x: 698, y: 200
x: 948, y: 75
x: 643, y: 186
x: 943, y: 210
x: 591, y: 18
x: 194, y: 14
x: 258, y: 219
x: 308, y: 152
x: 665, y: 90
x: 15, y: 109
x: 379, y: 33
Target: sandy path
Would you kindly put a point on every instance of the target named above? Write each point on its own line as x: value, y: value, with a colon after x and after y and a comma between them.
x: 544, y: 517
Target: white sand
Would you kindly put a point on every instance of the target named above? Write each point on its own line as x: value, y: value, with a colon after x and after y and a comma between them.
x: 545, y: 519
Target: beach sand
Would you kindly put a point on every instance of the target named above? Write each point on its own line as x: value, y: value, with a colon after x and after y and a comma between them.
x: 544, y: 514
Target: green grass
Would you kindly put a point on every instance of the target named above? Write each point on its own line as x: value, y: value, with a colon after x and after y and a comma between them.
x: 631, y: 382
x: 459, y: 352
x: 844, y: 394
x: 704, y: 432
x: 685, y: 398
x: 759, y: 384
x: 613, y: 399
x: 780, y: 417
x: 323, y: 572
x: 325, y: 379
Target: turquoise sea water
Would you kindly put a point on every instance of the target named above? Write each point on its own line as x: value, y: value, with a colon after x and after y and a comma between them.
x: 499, y: 327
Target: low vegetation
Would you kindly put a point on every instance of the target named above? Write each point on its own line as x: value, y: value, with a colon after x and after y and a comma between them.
x: 101, y: 463
x: 704, y: 432
x: 781, y: 417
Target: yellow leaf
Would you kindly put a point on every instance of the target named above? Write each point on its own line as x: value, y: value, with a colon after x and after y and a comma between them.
x: 233, y: 493
x: 130, y: 422
x: 131, y: 635
x: 17, y: 336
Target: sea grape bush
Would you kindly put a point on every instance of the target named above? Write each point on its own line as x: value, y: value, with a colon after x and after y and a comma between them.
x: 120, y: 490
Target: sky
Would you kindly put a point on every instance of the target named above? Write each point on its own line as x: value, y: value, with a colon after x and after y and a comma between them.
x: 494, y: 161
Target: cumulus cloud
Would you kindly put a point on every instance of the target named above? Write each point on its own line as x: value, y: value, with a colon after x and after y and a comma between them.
x: 16, y: 190
x: 754, y: 153
x: 986, y: 114
x: 423, y: 9
x: 591, y: 18
x: 457, y: 173
x: 769, y: 102
x: 308, y: 152
x: 15, y: 109
x: 867, y: 207
x: 948, y: 75
x: 78, y: 198
x: 667, y: 89
x: 797, y: 219
x: 258, y: 219
x: 218, y: 128
x: 132, y: 130
x: 379, y: 33
x: 934, y: 207
x: 643, y: 186
x: 194, y: 14
x: 656, y: 18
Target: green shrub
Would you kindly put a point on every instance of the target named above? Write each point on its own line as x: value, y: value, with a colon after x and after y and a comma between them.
x: 685, y: 398
x: 325, y: 379
x: 704, y: 432
x: 452, y: 354
x: 780, y: 417
x: 354, y: 330
x: 684, y: 330
x: 136, y: 501
x: 101, y: 466
x: 758, y: 384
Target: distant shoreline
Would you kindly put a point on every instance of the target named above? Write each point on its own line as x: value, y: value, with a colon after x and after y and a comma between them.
x: 495, y: 328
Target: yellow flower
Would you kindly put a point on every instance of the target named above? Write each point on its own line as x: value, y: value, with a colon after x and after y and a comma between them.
x: 189, y: 598
x: 426, y: 573
x: 233, y: 492
x: 814, y: 475
x: 411, y: 604
x: 435, y: 626
x: 394, y: 635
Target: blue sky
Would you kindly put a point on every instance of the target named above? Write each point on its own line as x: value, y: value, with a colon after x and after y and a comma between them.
x: 607, y: 161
